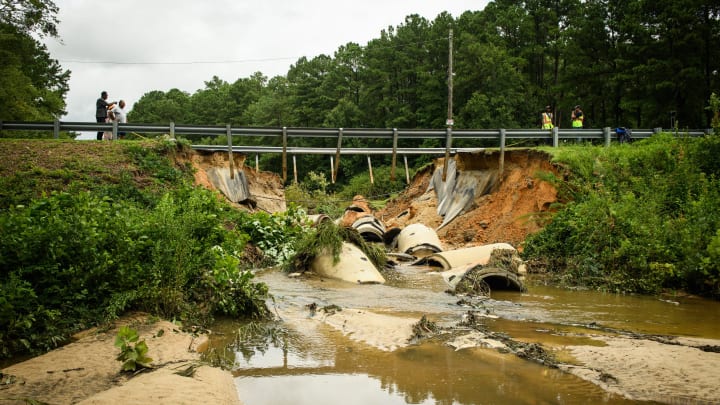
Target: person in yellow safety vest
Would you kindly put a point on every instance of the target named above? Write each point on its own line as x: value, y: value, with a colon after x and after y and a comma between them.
x: 577, y: 117
x: 547, y: 117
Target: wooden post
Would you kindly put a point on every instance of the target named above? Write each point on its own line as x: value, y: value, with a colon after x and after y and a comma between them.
x: 394, y: 154
x: 295, y: 169
x: 407, y: 172
x: 502, y: 153
x: 230, y: 153
x: 334, y: 169
x: 372, y: 180
x: 284, y: 154
x: 448, y: 145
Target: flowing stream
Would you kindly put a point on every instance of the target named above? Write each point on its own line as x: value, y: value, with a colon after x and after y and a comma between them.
x: 296, y: 364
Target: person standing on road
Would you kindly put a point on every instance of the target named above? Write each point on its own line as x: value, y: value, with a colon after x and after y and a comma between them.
x: 117, y: 114
x: 101, y: 108
x: 578, y: 118
x: 547, y: 118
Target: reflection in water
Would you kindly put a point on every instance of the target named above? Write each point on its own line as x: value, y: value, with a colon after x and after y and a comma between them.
x: 298, y: 364
x: 430, y: 373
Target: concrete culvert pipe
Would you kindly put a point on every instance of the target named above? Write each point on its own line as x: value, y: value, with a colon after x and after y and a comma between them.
x: 353, y: 266
x: 476, y: 279
x: 461, y: 258
x: 370, y: 228
x: 418, y: 240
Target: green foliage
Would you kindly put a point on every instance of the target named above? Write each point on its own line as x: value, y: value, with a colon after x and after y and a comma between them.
x: 313, y: 194
x: 37, y: 16
x: 81, y: 257
x: 714, y: 108
x: 275, y: 234
x: 156, y: 162
x: 381, y: 188
x: 76, y: 259
x: 638, y: 219
x: 133, y: 354
x: 32, y: 85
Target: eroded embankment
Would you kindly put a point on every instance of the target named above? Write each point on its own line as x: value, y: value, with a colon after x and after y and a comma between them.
x: 506, y: 207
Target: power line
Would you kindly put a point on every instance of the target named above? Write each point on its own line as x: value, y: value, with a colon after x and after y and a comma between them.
x: 206, y: 62
x: 231, y: 61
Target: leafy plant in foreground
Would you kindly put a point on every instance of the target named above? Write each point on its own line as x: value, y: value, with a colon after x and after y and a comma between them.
x: 133, y: 354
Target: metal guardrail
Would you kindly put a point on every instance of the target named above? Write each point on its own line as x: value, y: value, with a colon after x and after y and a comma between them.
x: 501, y: 135
x: 373, y: 133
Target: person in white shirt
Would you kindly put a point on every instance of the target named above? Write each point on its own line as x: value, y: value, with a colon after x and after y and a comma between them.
x: 117, y: 114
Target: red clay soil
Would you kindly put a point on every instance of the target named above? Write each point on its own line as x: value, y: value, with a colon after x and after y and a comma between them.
x: 512, y: 210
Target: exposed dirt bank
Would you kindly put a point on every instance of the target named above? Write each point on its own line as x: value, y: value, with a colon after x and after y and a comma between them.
x: 512, y: 209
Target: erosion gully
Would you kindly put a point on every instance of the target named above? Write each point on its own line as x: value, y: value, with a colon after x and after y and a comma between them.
x: 285, y: 364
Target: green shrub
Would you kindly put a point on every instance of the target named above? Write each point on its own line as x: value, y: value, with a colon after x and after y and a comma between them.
x: 381, y: 188
x: 639, y: 218
x: 74, y: 260
x: 275, y: 234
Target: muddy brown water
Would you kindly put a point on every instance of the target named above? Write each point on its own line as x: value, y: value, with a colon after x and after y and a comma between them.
x: 294, y: 365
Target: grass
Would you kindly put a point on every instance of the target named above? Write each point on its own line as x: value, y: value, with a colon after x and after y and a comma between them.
x: 31, y: 168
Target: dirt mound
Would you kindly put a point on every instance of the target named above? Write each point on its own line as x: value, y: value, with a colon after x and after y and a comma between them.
x: 266, y: 188
x: 508, y: 213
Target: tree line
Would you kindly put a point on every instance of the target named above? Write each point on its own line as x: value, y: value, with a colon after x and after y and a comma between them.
x: 634, y: 63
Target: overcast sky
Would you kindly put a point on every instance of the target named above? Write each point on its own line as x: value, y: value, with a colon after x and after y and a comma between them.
x: 131, y: 47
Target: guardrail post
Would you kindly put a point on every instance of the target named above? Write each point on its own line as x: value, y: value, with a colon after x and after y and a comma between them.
x: 114, y: 130
x: 332, y: 170
x: 394, y: 154
x: 284, y: 154
x: 228, y: 131
x: 336, y: 167
x: 555, y: 137
x: 56, y: 128
x: 257, y: 163
x: 606, y: 134
x: 448, y: 145
x: 172, y: 129
x: 657, y: 130
x: 502, y: 153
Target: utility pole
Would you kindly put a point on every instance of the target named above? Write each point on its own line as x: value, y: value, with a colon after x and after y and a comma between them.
x: 449, y: 122
x: 450, y: 80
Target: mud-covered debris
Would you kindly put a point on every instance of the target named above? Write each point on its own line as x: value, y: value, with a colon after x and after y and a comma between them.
x: 8, y: 379
x: 529, y: 351
x: 473, y: 284
x: 608, y: 378
x: 536, y: 266
x: 424, y: 329
x: 502, y: 271
x: 331, y: 309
